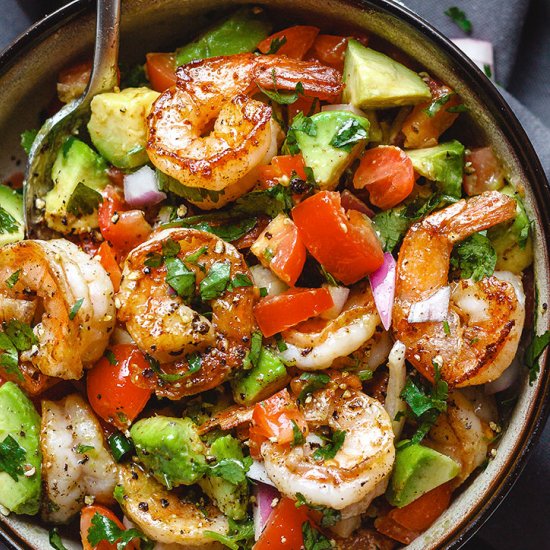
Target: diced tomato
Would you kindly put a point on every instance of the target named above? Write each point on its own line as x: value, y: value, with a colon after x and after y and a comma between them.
x: 161, y: 70
x: 281, y: 169
x: 284, y: 527
x: 122, y: 227
x: 330, y: 49
x: 86, y: 516
x: 351, y: 202
x: 345, y: 244
x: 304, y: 104
x: 111, y: 392
x: 422, y: 129
x: 295, y: 41
x: 109, y: 262
x: 15, y: 180
x: 246, y: 241
x: 281, y: 249
x: 72, y: 81
x: 274, y: 418
x: 277, y: 313
x: 388, y: 175
x: 481, y: 172
x: 405, y: 524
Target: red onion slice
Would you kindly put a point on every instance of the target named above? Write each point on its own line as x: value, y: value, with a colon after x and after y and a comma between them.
x: 382, y: 282
x: 434, y: 308
x: 266, y: 497
x: 141, y: 188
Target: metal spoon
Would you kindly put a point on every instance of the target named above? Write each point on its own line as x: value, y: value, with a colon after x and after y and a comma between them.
x: 66, y: 121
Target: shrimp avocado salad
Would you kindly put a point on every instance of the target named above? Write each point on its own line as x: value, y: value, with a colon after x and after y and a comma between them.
x: 279, y: 304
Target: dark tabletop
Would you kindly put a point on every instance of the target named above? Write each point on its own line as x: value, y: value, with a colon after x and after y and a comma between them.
x: 522, y: 520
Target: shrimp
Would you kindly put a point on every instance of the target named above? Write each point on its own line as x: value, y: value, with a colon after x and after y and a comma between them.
x: 317, y: 349
x: 480, y: 334
x: 360, y: 469
x: 216, y: 91
x: 75, y: 462
x: 66, y: 295
x: 167, y: 518
x: 167, y: 329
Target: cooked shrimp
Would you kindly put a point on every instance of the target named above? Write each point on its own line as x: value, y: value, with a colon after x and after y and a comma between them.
x: 318, y: 347
x: 68, y: 295
x: 479, y: 336
x: 169, y: 330
x: 167, y: 518
x: 217, y: 91
x: 360, y: 469
x: 461, y: 434
x: 75, y: 462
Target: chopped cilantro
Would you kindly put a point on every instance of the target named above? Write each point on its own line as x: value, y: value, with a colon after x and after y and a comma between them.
x: 436, y: 104
x: 76, y: 308
x: 170, y: 248
x: 330, y: 279
x: 281, y: 344
x: 8, y: 224
x: 55, y: 540
x: 11, y: 281
x: 181, y: 279
x: 20, y: 334
x: 133, y: 77
x: 284, y: 98
x: 330, y: 515
x: 251, y: 360
x: 231, y: 469
x: 84, y: 200
x: 330, y: 449
x: 230, y: 231
x: 263, y: 292
x: 270, y: 202
x: 194, y: 257
x: 276, y: 44
x: 349, y: 134
x: 110, y: 356
x: 239, y: 536
x: 216, y: 281
x: 475, y: 257
x: 240, y: 280
x: 460, y: 19
x: 83, y: 449
x: 300, y: 123
x: 446, y: 328
x: 153, y: 259
x: 314, y: 381
x: 105, y: 529
x: 297, y: 435
x: 27, y: 139
x: 313, y: 539
x: 461, y: 108
x: 9, y: 358
x: 365, y: 374
x: 532, y: 353
x: 12, y: 457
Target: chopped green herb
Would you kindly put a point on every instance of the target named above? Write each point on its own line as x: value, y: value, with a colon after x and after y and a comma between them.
x: 446, y: 328
x: 460, y: 19
x: 122, y: 417
x: 84, y: 200
x: 27, y: 139
x: 328, y: 277
x: 315, y: 381
x: 105, y: 529
x: 181, y: 279
x: 284, y: 98
x: 55, y: 540
x: 330, y: 515
x: 8, y: 224
x: 297, y: 435
x: 12, y: 457
x: 532, y: 353
x: 120, y: 446
x: 216, y: 281
x: 194, y: 257
x: 170, y: 248
x: 276, y: 44
x: 313, y: 539
x: 230, y: 231
x: 253, y: 356
x: 11, y: 281
x: 270, y: 202
x: 20, y: 334
x: 349, y: 134
x: 240, y: 280
x: 330, y: 449
x: 153, y: 259
x: 487, y: 70
x: 461, y: 108
x: 76, y: 308
x: 83, y: 449
x: 281, y: 344
x: 239, y: 536
x: 436, y: 104
x: 9, y: 358
x: 268, y: 254
x: 300, y: 123
x: 475, y: 257
x: 194, y: 361
x: 231, y: 469
x: 263, y: 292
x: 365, y: 374
x: 110, y: 356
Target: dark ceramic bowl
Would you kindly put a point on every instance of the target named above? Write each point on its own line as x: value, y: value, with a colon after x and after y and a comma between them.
x: 27, y: 78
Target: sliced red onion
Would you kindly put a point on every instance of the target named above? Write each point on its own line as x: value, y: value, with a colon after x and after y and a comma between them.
x: 505, y: 380
x: 339, y: 296
x: 434, y: 308
x: 479, y: 51
x: 257, y: 473
x: 343, y: 107
x: 382, y: 282
x: 266, y: 496
x: 141, y: 188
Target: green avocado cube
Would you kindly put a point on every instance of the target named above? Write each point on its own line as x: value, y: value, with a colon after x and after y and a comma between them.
x: 12, y: 228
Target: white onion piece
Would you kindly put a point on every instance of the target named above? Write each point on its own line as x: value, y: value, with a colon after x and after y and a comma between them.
x: 265, y: 278
x: 479, y: 51
x: 382, y: 282
x: 120, y: 336
x: 339, y: 296
x: 257, y: 472
x: 314, y: 439
x: 505, y: 380
x: 434, y: 308
x: 396, y: 383
x: 265, y: 497
x: 141, y: 188
x: 343, y: 107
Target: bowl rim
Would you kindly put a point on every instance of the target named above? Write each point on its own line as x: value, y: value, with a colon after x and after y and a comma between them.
x: 527, y: 158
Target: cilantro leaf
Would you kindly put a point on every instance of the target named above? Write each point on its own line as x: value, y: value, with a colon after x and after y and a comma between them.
x: 284, y: 98
x: 9, y: 358
x: 12, y: 457
x: 110, y: 356
x: 330, y: 449
x: 314, y: 381
x: 475, y: 257
x: 240, y: 534
x: 532, y: 353
x: 330, y: 515
x: 230, y: 231
x: 231, y: 469
x: 27, y: 139
x: 297, y: 435
x: 216, y: 281
x: 300, y: 123
x: 240, y: 280
x: 83, y: 449
x: 270, y: 202
x: 181, y: 279
x: 55, y: 540
x: 133, y: 77
x: 253, y: 356
x: 103, y: 528
x: 436, y: 104
x: 76, y: 308
x: 20, y: 334
x: 313, y: 539
x: 8, y: 224
x: 391, y: 227
x: 194, y: 257
x: 460, y: 19
x: 153, y: 259
x: 84, y: 200
x: 11, y: 281
x: 349, y: 134
x: 194, y: 360
x: 170, y: 248
x: 276, y: 45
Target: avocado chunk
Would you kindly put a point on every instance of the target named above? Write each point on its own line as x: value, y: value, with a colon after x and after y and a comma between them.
x: 267, y: 377
x: 512, y: 240
x: 443, y: 164
x: 12, y: 228
x: 78, y: 175
x: 239, y: 33
x: 417, y: 470
x: 171, y: 449
x: 374, y: 80
x: 329, y: 142
x: 118, y: 125
x: 20, y: 421
x: 230, y: 498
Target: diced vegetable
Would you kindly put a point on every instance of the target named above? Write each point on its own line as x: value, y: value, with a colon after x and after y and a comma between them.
x: 265, y: 495
x: 482, y: 172
x: 382, y: 282
x: 86, y: 516
x: 434, y: 308
x: 293, y: 42
x: 281, y: 169
x: 161, y: 70
x: 141, y: 188
x: 107, y: 258
x: 339, y: 296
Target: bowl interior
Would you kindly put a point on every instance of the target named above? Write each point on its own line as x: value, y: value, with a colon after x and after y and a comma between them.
x: 27, y: 84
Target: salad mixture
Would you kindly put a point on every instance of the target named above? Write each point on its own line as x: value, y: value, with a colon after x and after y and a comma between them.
x: 276, y: 305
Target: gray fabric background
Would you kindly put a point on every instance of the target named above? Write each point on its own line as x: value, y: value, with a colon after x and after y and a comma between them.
x: 520, y: 33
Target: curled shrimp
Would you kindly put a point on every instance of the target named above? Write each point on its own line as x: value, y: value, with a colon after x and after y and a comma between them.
x: 325, y: 341
x: 217, y: 91
x: 167, y: 518
x: 479, y: 337
x: 75, y: 461
x: 66, y: 296
x: 166, y: 328
x: 359, y: 470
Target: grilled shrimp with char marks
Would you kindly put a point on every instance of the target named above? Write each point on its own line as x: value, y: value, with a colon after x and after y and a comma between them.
x: 165, y: 327
x: 479, y: 337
